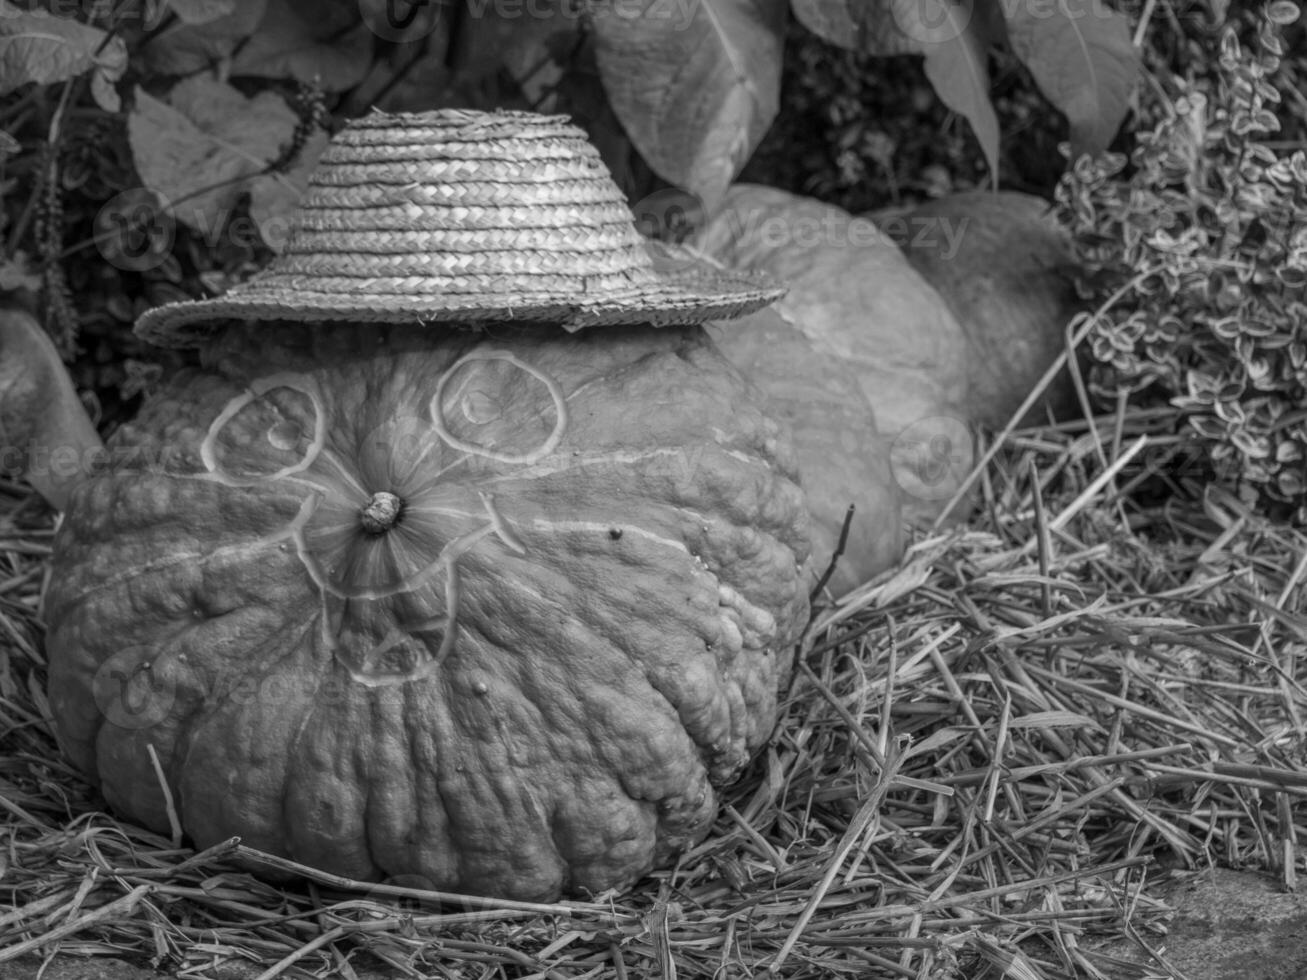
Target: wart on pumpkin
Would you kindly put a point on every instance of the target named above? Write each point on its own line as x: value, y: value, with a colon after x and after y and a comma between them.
x: 46, y: 436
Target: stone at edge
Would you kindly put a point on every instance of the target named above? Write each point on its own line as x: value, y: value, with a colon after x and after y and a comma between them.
x: 1228, y: 925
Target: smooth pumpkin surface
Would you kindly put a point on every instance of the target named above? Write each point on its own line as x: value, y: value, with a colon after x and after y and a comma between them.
x: 1008, y: 275
x: 497, y: 609
x: 861, y: 305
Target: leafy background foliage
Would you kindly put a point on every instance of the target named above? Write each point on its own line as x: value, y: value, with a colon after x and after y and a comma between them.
x: 153, y: 149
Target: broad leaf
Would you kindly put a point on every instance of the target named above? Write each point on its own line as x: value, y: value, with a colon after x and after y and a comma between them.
x: 205, y: 146
x: 954, y: 37
x: 274, y: 197
x: 530, y: 53
x: 186, y: 48
x: 1082, y: 60
x: 36, y: 46
x: 309, y: 40
x: 869, y: 26
x: 201, y: 11
x: 695, y: 85
x: 956, y: 68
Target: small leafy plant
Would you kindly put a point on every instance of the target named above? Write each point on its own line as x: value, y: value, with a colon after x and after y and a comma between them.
x: 1199, y: 241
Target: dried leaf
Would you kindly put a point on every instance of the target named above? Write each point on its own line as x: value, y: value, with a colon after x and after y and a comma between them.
x: 309, y: 40
x: 36, y: 46
x: 1054, y: 719
x: 205, y: 146
x: 1083, y: 62
x: 695, y: 87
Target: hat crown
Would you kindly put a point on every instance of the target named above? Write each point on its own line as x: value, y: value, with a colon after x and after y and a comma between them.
x: 461, y: 216
x: 456, y: 194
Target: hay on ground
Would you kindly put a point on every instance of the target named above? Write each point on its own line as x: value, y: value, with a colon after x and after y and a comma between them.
x: 989, y: 761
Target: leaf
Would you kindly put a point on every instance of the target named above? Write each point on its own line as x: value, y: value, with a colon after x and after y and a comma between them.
x: 858, y: 25
x: 36, y: 46
x: 953, y: 37
x: 187, y: 48
x: 532, y: 52
x: 201, y: 11
x: 309, y: 40
x: 274, y: 197
x: 884, y: 28
x: 956, y: 68
x: 205, y: 146
x: 695, y: 86
x: 1083, y: 62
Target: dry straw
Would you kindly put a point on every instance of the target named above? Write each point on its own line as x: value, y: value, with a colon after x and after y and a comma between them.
x: 464, y: 216
x: 991, y: 764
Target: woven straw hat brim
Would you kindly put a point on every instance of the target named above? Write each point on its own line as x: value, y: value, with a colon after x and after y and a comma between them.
x: 690, y: 297
x: 468, y: 216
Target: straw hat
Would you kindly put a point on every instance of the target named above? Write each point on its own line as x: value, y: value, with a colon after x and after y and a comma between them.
x: 468, y: 216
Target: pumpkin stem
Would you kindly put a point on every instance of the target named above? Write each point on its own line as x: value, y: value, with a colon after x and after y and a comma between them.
x: 381, y: 512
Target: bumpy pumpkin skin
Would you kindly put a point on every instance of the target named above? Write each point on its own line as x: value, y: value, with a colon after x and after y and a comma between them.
x: 527, y: 685
x: 841, y: 455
